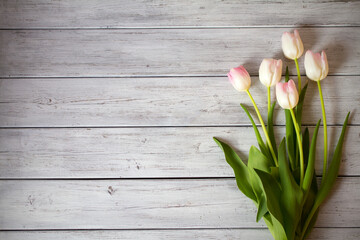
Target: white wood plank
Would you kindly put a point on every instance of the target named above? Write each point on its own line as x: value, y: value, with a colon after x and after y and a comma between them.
x: 208, y: 234
x: 158, y: 13
x: 146, y: 204
x: 165, y: 51
x: 140, y: 152
x: 158, y: 102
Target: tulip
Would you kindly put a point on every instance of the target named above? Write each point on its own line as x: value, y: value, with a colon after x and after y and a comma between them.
x: 293, y: 49
x: 270, y: 72
x: 287, y: 95
x: 316, y: 65
x: 292, y: 45
x: 239, y: 78
x: 241, y: 81
x: 317, y: 68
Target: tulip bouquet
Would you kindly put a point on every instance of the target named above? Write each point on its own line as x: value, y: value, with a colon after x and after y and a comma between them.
x: 281, y: 179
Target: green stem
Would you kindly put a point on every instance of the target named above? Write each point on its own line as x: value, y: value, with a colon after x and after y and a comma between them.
x: 269, y: 99
x: 325, y: 129
x: 264, y: 128
x: 298, y: 73
x: 297, y: 130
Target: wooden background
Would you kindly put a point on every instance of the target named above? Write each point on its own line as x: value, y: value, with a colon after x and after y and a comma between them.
x: 108, y: 109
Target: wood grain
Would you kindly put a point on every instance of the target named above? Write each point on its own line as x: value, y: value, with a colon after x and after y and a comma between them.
x: 160, y: 52
x: 208, y: 234
x: 141, y: 152
x: 184, y: 101
x: 172, y: 13
x: 155, y: 71
x: 147, y: 204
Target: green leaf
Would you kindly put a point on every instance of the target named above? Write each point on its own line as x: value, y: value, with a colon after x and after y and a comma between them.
x: 262, y: 208
x: 331, y: 175
x: 270, y: 128
x: 240, y: 169
x: 269, y: 224
x: 272, y: 192
x: 309, y: 203
x: 275, y: 227
x: 300, y: 104
x: 311, y: 163
x: 278, y: 228
x: 262, y: 146
x: 291, y: 195
x: 311, y: 224
x: 274, y: 171
x: 257, y: 160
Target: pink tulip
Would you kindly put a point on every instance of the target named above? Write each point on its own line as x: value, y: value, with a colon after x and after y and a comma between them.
x: 292, y: 45
x: 287, y: 95
x: 239, y: 78
x: 316, y: 65
x: 270, y: 72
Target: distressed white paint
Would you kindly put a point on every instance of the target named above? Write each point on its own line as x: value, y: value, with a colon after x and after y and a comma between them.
x: 156, y: 52
x: 170, y: 13
x: 193, y: 38
x: 141, y: 152
x: 139, y: 204
x: 158, y: 102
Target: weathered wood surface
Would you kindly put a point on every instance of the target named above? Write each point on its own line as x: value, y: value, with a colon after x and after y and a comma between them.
x: 128, y: 65
x: 170, y: 52
x: 148, y: 204
x: 187, y: 101
x: 173, y: 13
x: 206, y: 234
x: 141, y: 152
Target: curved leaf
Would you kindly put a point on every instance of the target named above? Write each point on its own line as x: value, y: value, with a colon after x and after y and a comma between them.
x: 291, y: 195
x: 331, y: 175
x: 257, y: 160
x: 329, y: 180
x: 240, y: 169
x: 273, y: 192
x: 262, y: 208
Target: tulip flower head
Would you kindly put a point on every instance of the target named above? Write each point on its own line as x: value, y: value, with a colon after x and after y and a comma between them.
x: 239, y: 78
x: 292, y: 45
x: 287, y: 95
x: 270, y: 72
x: 316, y: 65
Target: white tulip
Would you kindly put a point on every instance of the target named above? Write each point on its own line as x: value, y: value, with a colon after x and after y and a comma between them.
x: 270, y: 72
x: 287, y: 95
x: 316, y: 65
x: 292, y: 45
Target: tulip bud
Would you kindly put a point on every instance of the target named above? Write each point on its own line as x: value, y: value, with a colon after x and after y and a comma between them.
x: 316, y: 65
x: 292, y: 45
x: 239, y: 78
x: 270, y: 72
x: 287, y: 95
